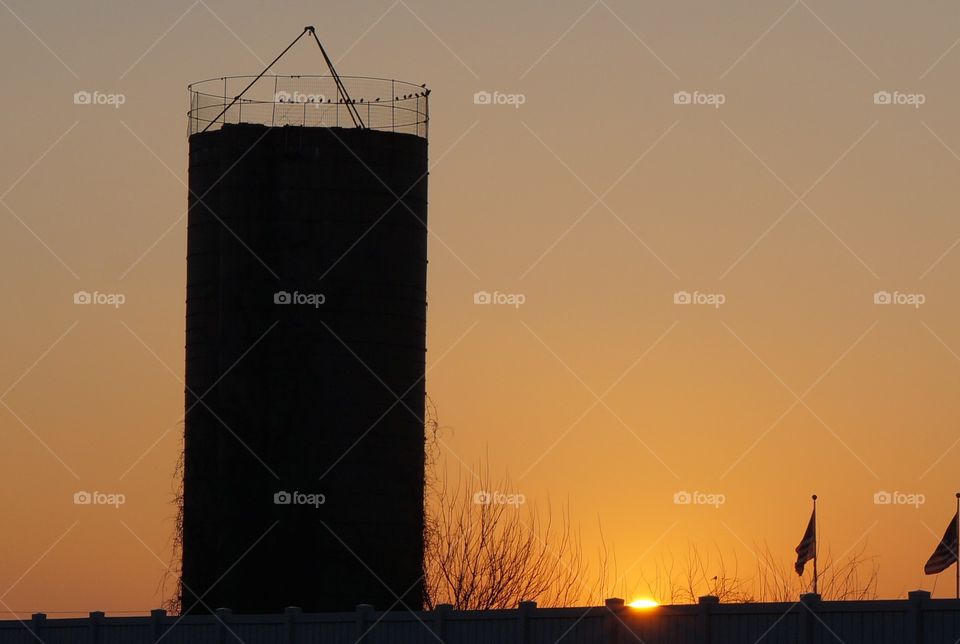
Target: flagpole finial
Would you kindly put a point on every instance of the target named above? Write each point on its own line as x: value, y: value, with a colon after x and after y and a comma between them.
x: 958, y: 495
x: 814, y: 497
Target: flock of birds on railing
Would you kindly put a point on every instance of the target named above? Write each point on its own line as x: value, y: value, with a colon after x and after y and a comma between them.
x: 311, y: 99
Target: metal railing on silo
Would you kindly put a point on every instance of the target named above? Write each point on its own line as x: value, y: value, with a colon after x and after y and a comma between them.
x: 310, y: 101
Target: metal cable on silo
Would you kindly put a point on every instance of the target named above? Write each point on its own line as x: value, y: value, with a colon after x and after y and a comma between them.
x: 351, y: 108
x: 259, y: 76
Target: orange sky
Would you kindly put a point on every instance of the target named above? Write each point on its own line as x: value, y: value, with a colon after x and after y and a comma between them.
x: 598, y: 199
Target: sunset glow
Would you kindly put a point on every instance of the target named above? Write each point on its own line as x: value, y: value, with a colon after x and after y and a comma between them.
x: 689, y: 264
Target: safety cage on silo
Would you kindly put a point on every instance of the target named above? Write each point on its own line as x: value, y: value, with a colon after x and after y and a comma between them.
x: 311, y: 101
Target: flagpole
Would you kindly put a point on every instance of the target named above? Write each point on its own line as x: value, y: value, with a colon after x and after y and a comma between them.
x: 958, y: 532
x: 815, y: 544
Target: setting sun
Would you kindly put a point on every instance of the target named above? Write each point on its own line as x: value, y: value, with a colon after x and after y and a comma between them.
x: 643, y: 603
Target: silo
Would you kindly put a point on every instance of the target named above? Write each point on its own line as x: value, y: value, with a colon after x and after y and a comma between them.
x: 305, y: 345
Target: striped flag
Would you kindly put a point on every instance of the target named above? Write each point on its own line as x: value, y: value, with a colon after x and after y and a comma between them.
x: 807, y: 549
x: 946, y: 553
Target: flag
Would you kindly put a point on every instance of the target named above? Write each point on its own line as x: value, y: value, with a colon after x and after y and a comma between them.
x: 946, y: 553
x: 807, y: 549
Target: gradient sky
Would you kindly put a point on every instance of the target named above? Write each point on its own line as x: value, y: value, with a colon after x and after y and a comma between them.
x: 598, y: 199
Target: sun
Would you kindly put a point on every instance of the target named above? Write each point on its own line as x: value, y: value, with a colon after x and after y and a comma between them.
x: 643, y: 603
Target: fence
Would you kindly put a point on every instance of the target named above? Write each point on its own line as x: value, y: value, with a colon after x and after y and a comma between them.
x: 314, y: 101
x: 917, y: 620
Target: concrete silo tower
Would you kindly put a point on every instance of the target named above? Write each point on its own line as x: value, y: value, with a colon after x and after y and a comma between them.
x: 305, y: 343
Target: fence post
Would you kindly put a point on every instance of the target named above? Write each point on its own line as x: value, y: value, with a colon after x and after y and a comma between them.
x: 811, y: 602
x: 917, y: 599
x: 95, y: 617
x: 36, y: 624
x: 614, y: 605
x: 290, y: 614
x: 440, y: 614
x: 524, y: 610
x: 223, y: 615
x: 705, y: 606
x: 361, y: 620
x: 156, y: 622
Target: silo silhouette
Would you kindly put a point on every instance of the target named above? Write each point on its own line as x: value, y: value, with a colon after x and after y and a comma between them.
x: 305, y: 345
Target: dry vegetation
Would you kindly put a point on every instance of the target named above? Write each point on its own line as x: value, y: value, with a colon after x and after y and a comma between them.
x: 482, y: 556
